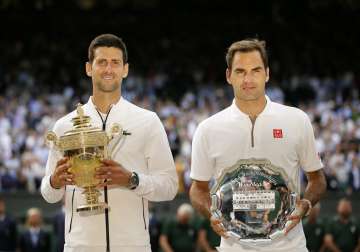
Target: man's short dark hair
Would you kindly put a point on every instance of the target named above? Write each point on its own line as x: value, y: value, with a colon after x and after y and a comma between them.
x: 107, y: 40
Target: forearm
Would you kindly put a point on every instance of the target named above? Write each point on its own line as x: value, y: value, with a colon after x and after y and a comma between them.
x: 357, y: 249
x: 49, y: 193
x: 322, y: 248
x: 164, y: 244
x: 333, y: 248
x: 329, y: 244
x: 200, y: 199
x: 204, y: 244
x: 316, y: 187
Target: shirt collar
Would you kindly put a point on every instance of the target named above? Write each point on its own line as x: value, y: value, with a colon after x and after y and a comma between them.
x: 34, y: 230
x: 267, y: 110
x: 115, y: 106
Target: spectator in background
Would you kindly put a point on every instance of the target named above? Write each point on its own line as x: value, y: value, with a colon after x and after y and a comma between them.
x: 354, y: 174
x: 5, y: 139
x: 59, y: 229
x: 8, y: 232
x: 208, y: 239
x: 34, y: 238
x: 342, y: 234
x: 180, y: 234
x: 154, y: 229
x: 314, y: 229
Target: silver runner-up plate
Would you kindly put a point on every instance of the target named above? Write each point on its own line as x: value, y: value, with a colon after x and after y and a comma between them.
x: 253, y: 199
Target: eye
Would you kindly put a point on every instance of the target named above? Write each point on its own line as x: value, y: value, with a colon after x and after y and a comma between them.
x: 257, y: 70
x: 116, y: 62
x: 102, y: 62
x: 239, y: 71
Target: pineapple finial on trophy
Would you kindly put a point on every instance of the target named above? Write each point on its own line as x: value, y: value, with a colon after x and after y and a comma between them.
x: 81, y: 120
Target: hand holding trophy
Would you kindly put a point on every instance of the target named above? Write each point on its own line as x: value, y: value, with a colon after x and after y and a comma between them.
x: 61, y: 175
x: 83, y: 148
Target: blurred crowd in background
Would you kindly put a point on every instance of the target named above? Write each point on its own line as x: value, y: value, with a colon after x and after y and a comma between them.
x: 30, y: 108
x: 177, y: 69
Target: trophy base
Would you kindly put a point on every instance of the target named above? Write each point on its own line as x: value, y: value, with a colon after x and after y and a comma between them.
x: 87, y: 210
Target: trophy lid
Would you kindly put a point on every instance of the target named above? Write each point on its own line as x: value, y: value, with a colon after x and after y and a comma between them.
x: 82, y: 134
x: 81, y: 123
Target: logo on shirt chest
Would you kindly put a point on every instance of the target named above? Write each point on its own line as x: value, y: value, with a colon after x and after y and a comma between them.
x: 277, y: 133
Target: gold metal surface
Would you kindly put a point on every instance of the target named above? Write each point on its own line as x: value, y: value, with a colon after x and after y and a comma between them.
x: 85, y: 146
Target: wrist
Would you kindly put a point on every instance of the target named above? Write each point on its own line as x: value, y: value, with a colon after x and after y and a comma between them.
x: 53, y: 183
x: 133, y: 181
x: 308, y: 204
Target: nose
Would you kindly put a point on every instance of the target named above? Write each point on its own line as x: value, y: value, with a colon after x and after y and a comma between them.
x: 247, y: 77
x: 108, y: 68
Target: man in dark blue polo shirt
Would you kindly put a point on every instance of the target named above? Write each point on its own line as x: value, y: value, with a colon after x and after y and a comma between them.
x: 8, y: 233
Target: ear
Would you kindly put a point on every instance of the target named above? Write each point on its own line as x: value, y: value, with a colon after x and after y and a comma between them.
x: 88, y: 69
x: 228, y: 75
x: 126, y: 70
x: 267, y: 74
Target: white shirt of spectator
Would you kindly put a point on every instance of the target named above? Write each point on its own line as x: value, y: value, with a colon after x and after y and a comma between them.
x: 226, y: 137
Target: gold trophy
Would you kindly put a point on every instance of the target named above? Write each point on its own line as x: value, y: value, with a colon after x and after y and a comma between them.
x: 85, y: 146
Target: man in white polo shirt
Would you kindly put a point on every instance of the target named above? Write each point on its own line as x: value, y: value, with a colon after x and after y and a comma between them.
x: 255, y: 128
x: 140, y: 170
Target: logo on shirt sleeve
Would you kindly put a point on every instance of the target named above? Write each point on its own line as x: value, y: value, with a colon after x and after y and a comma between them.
x: 277, y: 133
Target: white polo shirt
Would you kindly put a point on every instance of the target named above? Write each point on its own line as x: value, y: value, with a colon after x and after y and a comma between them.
x: 280, y: 134
x: 147, y: 152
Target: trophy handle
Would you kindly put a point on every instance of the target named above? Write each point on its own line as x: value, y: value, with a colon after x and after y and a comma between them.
x: 51, y: 137
x: 116, y: 131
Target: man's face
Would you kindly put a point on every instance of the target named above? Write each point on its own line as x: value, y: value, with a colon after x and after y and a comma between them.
x: 183, y: 218
x: 107, y: 69
x: 344, y: 209
x: 34, y: 220
x: 247, y: 76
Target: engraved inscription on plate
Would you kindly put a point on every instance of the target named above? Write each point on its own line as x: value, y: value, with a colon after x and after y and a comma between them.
x: 258, y: 200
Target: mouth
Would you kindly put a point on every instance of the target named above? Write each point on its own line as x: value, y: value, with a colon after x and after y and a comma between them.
x: 107, y: 77
x: 247, y: 88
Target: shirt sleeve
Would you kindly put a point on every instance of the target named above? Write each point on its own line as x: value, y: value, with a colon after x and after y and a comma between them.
x: 49, y: 193
x: 161, y: 181
x: 309, y: 156
x: 202, y: 164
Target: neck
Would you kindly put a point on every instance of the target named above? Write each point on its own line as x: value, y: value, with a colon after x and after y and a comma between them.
x: 251, y: 108
x: 103, y: 101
